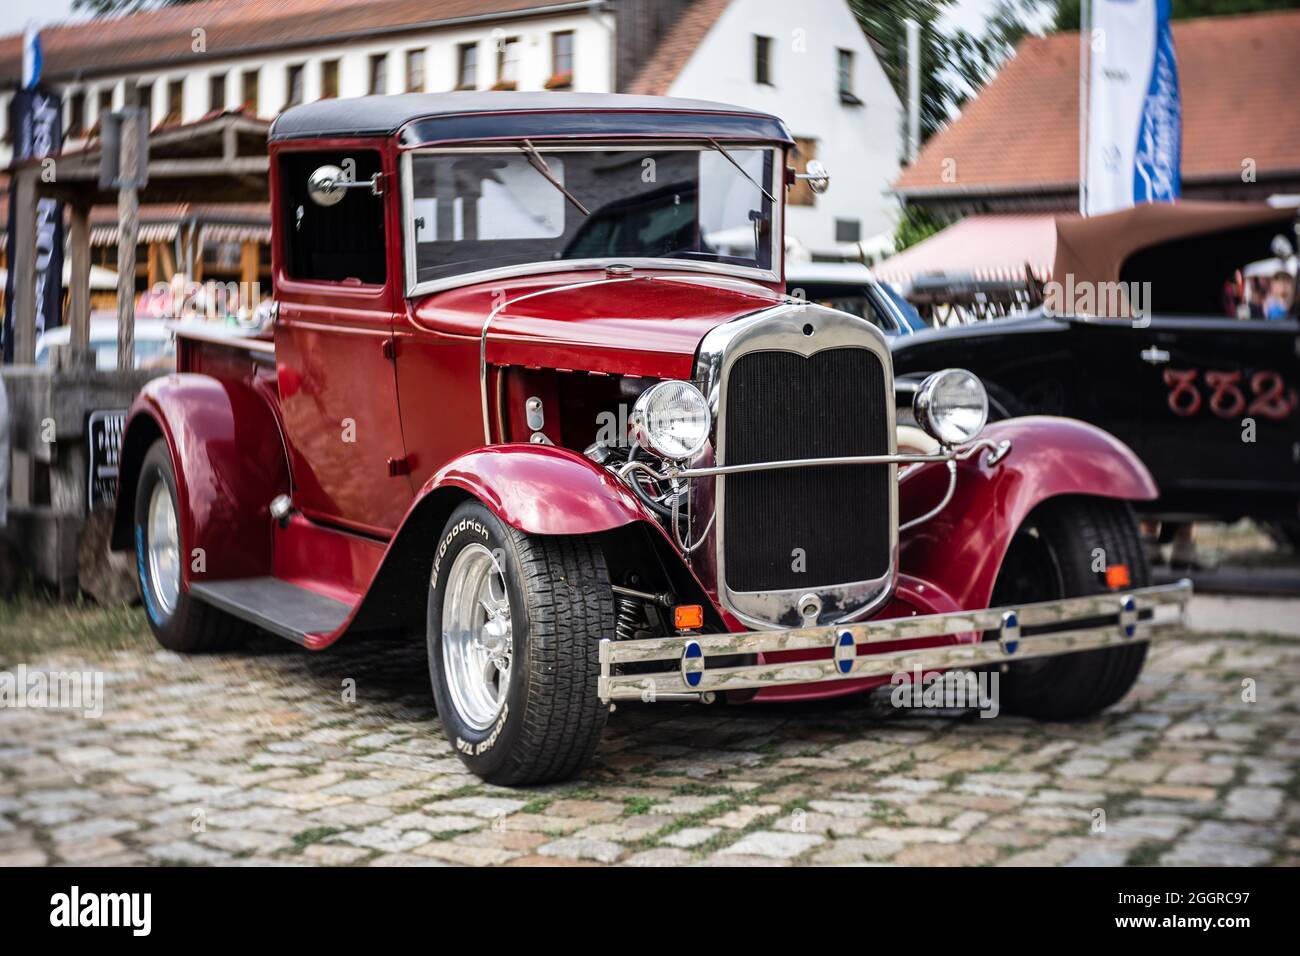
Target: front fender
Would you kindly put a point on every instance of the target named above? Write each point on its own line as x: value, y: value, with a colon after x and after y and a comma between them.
x: 541, y: 489
x: 229, y: 461
x: 961, y: 549
x: 536, y: 489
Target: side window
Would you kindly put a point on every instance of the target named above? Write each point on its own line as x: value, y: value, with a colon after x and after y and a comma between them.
x: 332, y: 243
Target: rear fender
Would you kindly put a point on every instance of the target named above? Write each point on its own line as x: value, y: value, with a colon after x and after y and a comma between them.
x: 961, y: 549
x: 228, y: 457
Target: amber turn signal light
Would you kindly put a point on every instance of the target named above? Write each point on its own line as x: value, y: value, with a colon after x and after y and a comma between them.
x: 688, y: 617
x: 1117, y: 577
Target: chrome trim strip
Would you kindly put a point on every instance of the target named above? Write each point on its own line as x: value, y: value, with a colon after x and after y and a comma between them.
x: 218, y: 335
x: 716, y: 470
x: 997, y: 451
x: 943, y: 502
x: 487, y: 323
x: 584, y: 265
x: 1119, y: 627
x: 740, y: 285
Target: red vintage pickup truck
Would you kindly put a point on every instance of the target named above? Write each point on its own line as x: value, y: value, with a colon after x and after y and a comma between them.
x: 531, y: 391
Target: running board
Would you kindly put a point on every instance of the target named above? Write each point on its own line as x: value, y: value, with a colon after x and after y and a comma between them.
x: 277, y: 606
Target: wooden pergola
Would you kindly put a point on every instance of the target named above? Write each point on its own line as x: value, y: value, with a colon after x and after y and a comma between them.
x: 221, y: 158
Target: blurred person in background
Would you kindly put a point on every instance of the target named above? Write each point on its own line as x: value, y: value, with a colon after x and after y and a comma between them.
x: 1280, y: 297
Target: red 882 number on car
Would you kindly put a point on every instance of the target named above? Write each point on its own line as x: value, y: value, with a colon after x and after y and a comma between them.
x: 1230, y: 394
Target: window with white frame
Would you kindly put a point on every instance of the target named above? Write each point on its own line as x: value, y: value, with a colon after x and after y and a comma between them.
x: 508, y: 49
x: 561, y: 61
x: 467, y: 66
x: 293, y: 83
x: 415, y: 71
x: 379, y: 73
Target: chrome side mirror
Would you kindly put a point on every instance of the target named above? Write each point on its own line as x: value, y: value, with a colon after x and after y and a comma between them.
x: 816, y: 175
x: 327, y: 185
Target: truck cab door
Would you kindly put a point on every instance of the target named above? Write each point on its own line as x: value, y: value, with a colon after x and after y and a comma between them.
x: 1225, y: 432
x: 334, y: 346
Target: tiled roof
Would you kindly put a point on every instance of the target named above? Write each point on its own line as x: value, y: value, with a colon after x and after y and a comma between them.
x: 1240, y: 83
x: 165, y: 36
x: 675, y: 50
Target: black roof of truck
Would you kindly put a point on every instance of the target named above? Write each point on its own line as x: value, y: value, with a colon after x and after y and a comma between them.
x: 422, y: 118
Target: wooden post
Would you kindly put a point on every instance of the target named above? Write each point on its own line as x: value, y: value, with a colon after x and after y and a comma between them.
x: 197, y: 274
x: 23, y: 244
x: 166, y: 264
x: 128, y: 229
x: 249, y: 262
x: 79, y: 284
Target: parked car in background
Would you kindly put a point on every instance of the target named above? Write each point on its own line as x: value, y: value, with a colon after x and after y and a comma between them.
x: 155, y: 343
x: 1139, y: 335
x: 851, y: 287
x: 638, y: 472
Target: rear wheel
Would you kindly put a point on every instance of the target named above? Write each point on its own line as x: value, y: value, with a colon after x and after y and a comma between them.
x: 178, y: 621
x: 513, y: 634
x: 1055, y: 554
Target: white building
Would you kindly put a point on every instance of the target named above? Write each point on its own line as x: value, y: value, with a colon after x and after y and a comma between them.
x: 808, y: 63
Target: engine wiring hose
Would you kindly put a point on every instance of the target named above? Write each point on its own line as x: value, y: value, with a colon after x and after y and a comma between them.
x: 640, y: 492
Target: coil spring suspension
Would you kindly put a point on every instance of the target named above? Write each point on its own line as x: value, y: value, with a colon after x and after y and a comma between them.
x: 628, y: 617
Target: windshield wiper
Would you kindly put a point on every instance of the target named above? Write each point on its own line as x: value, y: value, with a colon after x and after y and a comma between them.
x: 535, y: 160
x: 731, y: 159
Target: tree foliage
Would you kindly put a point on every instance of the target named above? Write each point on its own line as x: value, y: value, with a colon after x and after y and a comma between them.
x: 884, y: 21
x: 1066, y: 12
x: 914, y: 225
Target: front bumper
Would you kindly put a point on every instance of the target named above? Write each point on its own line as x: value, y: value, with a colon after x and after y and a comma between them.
x: 1011, y: 634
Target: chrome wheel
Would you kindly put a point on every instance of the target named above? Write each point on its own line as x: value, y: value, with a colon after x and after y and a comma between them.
x: 477, y: 636
x: 164, y: 549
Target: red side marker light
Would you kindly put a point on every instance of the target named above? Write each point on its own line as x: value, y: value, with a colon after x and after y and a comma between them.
x: 1117, y: 577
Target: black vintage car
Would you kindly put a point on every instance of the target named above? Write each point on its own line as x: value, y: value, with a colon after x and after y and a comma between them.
x: 1186, y: 370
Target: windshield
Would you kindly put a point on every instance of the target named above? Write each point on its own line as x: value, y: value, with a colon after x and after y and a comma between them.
x: 480, y: 210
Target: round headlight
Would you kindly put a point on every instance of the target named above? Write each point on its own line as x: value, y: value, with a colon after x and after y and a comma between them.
x: 671, y: 419
x: 952, y: 406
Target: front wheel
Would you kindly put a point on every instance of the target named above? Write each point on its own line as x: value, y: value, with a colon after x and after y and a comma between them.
x: 513, y: 634
x: 178, y: 621
x: 1063, y: 550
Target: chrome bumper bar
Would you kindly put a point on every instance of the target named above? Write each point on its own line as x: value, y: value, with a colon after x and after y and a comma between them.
x: 1029, y: 630
x: 670, y: 470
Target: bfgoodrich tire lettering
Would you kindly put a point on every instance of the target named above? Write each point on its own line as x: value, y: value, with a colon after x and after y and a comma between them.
x: 1053, y: 556
x: 560, y: 605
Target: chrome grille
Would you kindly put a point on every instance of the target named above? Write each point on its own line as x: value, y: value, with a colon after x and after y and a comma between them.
x: 804, y: 528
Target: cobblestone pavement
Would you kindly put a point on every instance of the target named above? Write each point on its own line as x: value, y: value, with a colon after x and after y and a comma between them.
x: 259, y: 758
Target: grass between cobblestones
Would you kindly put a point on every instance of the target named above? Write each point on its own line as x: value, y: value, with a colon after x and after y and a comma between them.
x: 1183, y: 769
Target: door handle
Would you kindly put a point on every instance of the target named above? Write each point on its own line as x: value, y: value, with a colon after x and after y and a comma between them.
x: 1154, y: 356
